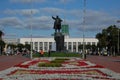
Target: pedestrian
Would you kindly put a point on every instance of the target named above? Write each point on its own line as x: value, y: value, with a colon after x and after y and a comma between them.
x: 49, y: 52
x: 41, y: 53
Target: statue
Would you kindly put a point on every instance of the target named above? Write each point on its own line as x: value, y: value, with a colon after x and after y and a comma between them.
x: 58, y: 36
x: 57, y: 23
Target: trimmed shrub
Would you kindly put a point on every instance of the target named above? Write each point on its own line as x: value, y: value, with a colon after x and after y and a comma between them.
x: 49, y: 65
x: 55, y: 63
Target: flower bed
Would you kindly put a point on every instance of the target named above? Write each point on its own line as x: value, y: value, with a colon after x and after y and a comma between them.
x: 73, y: 69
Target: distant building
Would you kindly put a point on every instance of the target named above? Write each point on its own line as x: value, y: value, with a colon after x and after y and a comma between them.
x: 71, y: 44
x: 11, y: 40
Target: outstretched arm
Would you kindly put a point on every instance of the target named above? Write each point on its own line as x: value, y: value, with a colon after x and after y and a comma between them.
x: 53, y: 17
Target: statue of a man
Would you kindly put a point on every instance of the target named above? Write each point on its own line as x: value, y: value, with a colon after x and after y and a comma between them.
x: 57, y: 23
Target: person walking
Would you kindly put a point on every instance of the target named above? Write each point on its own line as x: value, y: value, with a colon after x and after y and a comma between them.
x: 49, y: 52
x: 41, y: 53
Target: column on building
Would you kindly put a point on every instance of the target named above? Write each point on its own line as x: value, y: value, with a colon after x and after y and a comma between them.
x: 67, y: 45
x: 76, y: 46
x: 38, y: 47
x: 71, y: 46
x: 43, y: 46
x: 48, y: 46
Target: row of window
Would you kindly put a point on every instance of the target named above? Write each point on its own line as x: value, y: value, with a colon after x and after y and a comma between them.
x: 71, y: 46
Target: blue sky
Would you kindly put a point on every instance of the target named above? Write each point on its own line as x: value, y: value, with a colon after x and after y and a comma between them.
x: 16, y: 18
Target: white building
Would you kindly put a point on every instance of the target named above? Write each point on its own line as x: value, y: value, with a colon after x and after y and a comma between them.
x: 71, y: 44
x: 11, y: 40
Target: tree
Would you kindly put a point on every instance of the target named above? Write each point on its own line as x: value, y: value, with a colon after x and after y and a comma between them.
x: 20, y: 47
x: 108, y: 38
x: 1, y: 33
x: 27, y: 46
x: 2, y: 45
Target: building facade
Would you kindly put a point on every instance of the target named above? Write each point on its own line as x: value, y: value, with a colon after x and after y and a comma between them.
x: 70, y: 44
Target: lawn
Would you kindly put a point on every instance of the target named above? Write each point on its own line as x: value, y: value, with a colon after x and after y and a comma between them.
x: 58, y: 54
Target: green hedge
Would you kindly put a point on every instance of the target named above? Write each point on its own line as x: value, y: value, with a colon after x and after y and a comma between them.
x: 55, y: 63
x: 58, y: 54
x: 49, y: 65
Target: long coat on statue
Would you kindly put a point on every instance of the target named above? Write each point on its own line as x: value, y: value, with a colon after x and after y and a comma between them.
x: 57, y: 23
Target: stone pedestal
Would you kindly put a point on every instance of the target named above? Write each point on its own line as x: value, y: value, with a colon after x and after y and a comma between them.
x: 59, y: 39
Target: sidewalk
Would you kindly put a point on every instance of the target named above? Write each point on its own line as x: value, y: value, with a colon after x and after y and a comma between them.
x: 109, y: 62
x: 112, y: 63
x: 9, y: 61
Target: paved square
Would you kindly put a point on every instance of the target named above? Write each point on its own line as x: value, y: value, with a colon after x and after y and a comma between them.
x: 74, y: 69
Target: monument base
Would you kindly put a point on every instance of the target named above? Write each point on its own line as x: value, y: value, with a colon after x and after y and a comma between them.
x: 59, y: 39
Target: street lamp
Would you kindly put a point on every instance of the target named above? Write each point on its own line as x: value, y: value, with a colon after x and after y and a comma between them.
x: 84, y: 12
x: 118, y: 36
x: 118, y: 40
x: 31, y: 32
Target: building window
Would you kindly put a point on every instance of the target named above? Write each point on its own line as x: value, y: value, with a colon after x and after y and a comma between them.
x: 93, y: 43
x: 79, y: 43
x: 36, y: 46
x: 26, y: 42
x: 65, y: 45
x: 40, y: 45
x: 88, y: 43
x: 69, y: 46
x: 74, y: 46
x: 50, y: 45
x: 45, y: 46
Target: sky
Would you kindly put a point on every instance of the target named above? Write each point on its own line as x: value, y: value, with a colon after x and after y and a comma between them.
x: 21, y: 18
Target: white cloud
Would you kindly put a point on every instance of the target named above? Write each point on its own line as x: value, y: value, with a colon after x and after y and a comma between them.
x: 43, y: 22
x: 27, y: 1
x: 96, y: 20
x: 66, y: 1
x: 29, y: 12
x: 42, y: 18
x: 11, y: 22
x: 9, y: 12
x: 22, y: 12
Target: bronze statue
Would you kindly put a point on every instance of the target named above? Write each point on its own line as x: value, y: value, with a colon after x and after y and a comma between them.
x: 57, y: 23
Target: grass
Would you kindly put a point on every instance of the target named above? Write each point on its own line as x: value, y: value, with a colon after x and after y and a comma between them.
x: 54, y: 63
x: 58, y: 54
x: 49, y: 65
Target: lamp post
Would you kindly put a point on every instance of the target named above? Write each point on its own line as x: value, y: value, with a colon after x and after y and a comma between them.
x: 31, y: 33
x: 84, y: 12
x: 31, y: 40
x: 118, y: 40
x: 118, y: 36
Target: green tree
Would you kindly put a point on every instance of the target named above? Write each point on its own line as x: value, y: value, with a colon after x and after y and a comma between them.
x: 108, y: 38
x: 20, y: 46
x: 1, y: 33
x: 2, y: 45
x: 27, y: 46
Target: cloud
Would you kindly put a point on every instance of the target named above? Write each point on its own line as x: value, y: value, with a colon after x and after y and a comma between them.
x: 66, y: 1
x: 29, y: 12
x: 41, y: 18
x: 52, y: 11
x: 9, y: 12
x: 43, y: 22
x: 95, y: 20
x: 11, y: 22
x: 21, y: 12
x: 27, y: 1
